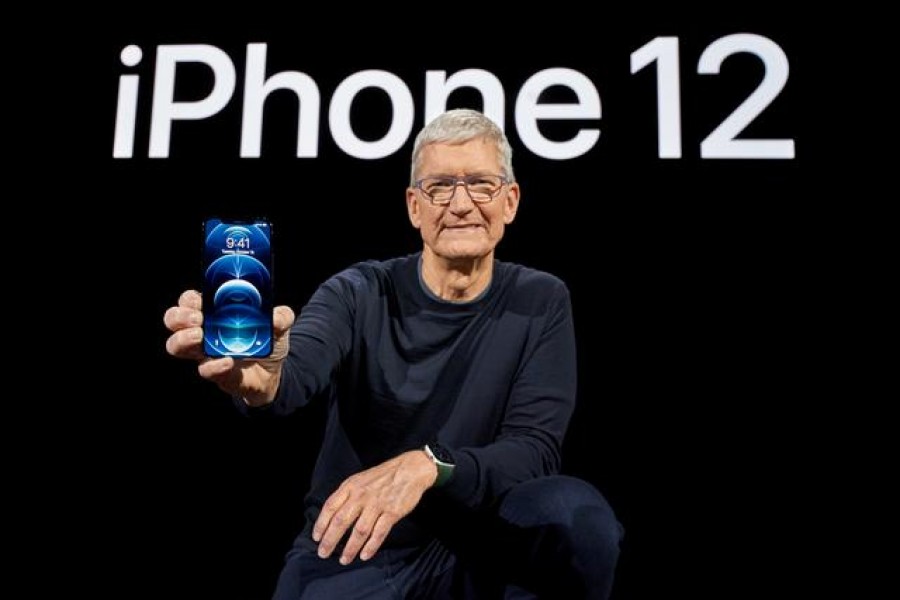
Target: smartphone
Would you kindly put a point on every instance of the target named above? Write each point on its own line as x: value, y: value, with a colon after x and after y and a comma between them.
x: 237, y: 288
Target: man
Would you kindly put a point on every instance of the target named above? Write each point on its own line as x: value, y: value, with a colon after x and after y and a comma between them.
x: 450, y: 378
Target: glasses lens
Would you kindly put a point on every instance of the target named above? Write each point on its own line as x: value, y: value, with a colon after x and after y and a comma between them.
x: 439, y: 189
x: 483, y: 187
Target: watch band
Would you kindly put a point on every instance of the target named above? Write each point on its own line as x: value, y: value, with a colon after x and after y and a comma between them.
x: 441, y: 459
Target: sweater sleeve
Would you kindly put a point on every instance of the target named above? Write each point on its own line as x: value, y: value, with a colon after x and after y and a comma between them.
x: 537, y: 415
x: 319, y: 340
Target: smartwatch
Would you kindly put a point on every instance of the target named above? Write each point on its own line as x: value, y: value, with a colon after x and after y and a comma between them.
x: 442, y: 460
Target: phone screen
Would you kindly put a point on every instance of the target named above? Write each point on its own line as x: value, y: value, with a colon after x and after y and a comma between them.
x: 237, y: 288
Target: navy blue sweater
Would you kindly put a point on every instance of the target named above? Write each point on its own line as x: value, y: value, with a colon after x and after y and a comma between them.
x: 492, y: 380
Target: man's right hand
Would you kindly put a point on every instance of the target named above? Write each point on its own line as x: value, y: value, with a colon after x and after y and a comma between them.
x: 256, y: 380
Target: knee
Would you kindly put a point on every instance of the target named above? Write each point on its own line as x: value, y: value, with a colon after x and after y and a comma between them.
x: 575, y: 511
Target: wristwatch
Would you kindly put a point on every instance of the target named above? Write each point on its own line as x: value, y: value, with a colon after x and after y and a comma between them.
x: 442, y: 460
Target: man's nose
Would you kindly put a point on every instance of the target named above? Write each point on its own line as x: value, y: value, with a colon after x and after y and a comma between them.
x: 465, y: 201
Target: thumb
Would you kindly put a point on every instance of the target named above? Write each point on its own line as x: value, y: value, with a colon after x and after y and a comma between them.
x: 282, y: 319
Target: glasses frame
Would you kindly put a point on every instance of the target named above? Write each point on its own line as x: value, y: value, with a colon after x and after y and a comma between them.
x: 464, y: 180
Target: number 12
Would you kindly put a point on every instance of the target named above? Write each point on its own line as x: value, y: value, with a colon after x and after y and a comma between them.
x: 722, y: 142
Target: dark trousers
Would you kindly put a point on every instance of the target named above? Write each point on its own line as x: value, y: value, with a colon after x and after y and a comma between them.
x: 552, y: 537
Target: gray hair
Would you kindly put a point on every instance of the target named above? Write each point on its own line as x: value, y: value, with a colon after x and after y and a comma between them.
x: 459, y: 126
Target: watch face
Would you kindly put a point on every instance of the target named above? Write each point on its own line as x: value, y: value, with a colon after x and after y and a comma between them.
x: 441, y: 453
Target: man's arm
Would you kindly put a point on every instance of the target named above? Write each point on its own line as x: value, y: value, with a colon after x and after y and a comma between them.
x: 319, y: 340
x: 541, y: 403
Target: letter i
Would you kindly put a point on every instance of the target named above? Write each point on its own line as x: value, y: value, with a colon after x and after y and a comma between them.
x: 126, y: 110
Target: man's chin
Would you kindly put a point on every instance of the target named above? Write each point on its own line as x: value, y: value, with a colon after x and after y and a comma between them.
x: 463, y: 251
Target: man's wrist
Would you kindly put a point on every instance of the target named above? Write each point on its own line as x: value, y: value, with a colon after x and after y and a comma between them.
x: 443, y: 460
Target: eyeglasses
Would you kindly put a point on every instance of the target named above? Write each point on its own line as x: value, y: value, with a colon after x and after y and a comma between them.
x: 481, y: 188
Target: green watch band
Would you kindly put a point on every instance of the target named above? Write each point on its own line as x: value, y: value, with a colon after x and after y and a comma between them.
x: 441, y: 459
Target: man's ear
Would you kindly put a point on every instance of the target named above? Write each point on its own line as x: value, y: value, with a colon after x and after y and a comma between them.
x: 412, y: 208
x: 511, y: 203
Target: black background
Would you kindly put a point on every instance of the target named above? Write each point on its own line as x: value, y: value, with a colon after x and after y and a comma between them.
x: 690, y: 282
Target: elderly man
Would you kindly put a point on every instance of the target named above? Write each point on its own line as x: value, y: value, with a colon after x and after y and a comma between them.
x: 451, y: 378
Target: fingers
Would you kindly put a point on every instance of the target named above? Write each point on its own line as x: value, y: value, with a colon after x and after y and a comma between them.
x: 180, y: 317
x: 185, y: 321
x: 370, y: 521
x: 368, y: 534
x: 186, y: 313
x: 282, y: 319
x: 185, y: 343
x: 336, y: 516
x: 218, y: 370
x: 362, y: 529
x: 370, y: 529
x: 225, y: 373
x: 334, y: 502
x: 380, y: 531
x: 191, y: 299
x: 249, y: 378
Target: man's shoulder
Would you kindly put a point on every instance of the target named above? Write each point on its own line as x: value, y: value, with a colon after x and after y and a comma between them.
x: 376, y: 268
x: 530, y: 279
x: 374, y: 273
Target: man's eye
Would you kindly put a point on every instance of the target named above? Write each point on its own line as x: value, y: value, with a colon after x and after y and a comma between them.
x: 439, y: 185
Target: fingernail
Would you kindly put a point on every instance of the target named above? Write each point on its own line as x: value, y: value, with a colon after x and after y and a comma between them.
x: 195, y: 318
x: 322, y: 553
x: 345, y: 560
x: 364, y: 556
x: 197, y: 335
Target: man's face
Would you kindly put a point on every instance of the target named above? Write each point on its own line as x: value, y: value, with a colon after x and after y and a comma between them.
x: 462, y: 229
